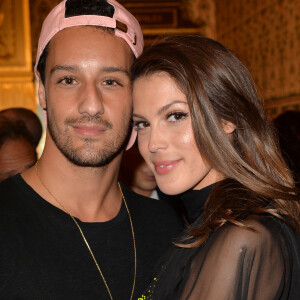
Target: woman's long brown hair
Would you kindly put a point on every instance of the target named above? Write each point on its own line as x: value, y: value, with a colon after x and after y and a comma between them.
x: 218, y: 89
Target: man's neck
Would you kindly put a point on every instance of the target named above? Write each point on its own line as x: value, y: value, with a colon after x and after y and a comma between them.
x: 90, y: 194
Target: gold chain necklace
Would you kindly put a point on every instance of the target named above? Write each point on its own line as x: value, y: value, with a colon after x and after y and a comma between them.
x: 85, y: 240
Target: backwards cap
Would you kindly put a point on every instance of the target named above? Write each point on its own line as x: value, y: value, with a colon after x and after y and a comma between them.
x: 109, y: 14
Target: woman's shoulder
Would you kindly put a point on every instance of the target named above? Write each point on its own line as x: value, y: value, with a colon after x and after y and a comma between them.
x: 241, y: 259
x: 259, y: 234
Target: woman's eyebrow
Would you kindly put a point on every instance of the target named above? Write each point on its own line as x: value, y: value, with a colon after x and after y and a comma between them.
x: 164, y: 108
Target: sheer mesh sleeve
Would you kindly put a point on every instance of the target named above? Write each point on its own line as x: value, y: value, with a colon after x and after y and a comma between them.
x: 234, y: 264
x: 238, y: 264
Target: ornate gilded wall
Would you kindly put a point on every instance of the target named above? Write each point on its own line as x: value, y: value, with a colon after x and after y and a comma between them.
x: 264, y: 34
x: 16, y: 85
x: 266, y: 37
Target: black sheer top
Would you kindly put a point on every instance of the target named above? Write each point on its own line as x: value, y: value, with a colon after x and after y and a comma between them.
x: 233, y: 264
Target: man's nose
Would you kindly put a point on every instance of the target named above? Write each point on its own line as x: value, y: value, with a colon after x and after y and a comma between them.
x: 91, y: 100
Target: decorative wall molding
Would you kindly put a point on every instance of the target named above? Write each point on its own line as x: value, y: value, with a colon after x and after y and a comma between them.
x: 15, y: 43
x: 163, y: 17
x: 16, y: 76
x: 7, y: 36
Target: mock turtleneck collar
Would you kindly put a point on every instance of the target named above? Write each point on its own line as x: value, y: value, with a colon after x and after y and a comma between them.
x: 194, y: 201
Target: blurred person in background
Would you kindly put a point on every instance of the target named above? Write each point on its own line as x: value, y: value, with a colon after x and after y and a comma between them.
x: 30, y: 119
x: 17, y: 149
x: 136, y: 174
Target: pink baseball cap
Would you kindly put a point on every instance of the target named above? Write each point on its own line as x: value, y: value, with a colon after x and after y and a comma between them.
x: 125, y: 24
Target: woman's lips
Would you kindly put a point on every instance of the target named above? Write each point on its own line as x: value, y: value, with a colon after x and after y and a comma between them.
x: 164, y: 167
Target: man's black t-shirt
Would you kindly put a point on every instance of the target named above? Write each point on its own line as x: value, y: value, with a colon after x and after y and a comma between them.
x: 43, y: 255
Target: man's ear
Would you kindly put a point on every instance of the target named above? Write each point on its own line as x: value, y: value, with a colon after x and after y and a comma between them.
x: 42, y: 97
x: 41, y: 92
x: 228, y: 127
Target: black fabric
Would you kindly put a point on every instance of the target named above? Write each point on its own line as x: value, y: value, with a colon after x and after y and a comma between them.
x: 233, y: 264
x: 87, y: 7
x: 43, y: 256
x: 194, y: 204
x: 174, y: 201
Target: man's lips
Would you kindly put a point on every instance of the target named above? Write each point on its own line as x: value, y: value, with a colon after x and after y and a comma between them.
x: 164, y: 167
x: 89, y: 130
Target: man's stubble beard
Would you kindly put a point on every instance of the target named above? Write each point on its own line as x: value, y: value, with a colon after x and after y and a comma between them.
x: 88, y: 155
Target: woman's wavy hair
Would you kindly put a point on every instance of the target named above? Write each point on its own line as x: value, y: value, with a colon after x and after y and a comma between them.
x: 218, y: 89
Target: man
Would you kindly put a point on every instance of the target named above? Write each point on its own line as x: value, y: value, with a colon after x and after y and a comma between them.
x: 67, y: 229
x: 17, y: 152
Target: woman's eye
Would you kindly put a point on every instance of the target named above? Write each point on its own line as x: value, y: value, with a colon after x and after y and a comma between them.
x: 138, y: 125
x: 67, y: 81
x: 177, y: 116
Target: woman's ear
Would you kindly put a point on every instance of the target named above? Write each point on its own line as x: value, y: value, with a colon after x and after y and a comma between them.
x: 228, y: 127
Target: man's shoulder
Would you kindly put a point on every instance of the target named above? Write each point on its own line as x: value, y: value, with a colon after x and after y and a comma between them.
x: 13, y: 192
x: 8, y: 186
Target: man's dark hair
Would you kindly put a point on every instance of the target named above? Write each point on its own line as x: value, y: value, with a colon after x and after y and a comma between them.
x: 42, y: 63
x: 77, y: 8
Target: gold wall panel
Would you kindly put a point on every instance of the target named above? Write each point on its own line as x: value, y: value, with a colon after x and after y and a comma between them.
x: 16, y: 76
x: 17, y: 94
x: 266, y: 37
x: 164, y: 17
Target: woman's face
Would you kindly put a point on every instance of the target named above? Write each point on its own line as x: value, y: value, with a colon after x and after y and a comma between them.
x: 165, y: 135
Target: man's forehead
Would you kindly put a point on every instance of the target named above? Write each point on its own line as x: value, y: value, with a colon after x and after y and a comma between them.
x: 85, y: 41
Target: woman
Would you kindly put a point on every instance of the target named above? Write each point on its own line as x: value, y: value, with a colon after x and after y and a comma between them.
x: 203, y: 131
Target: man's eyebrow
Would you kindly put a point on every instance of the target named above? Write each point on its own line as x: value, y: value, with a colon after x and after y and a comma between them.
x: 64, y: 68
x: 115, y: 69
x: 76, y: 69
